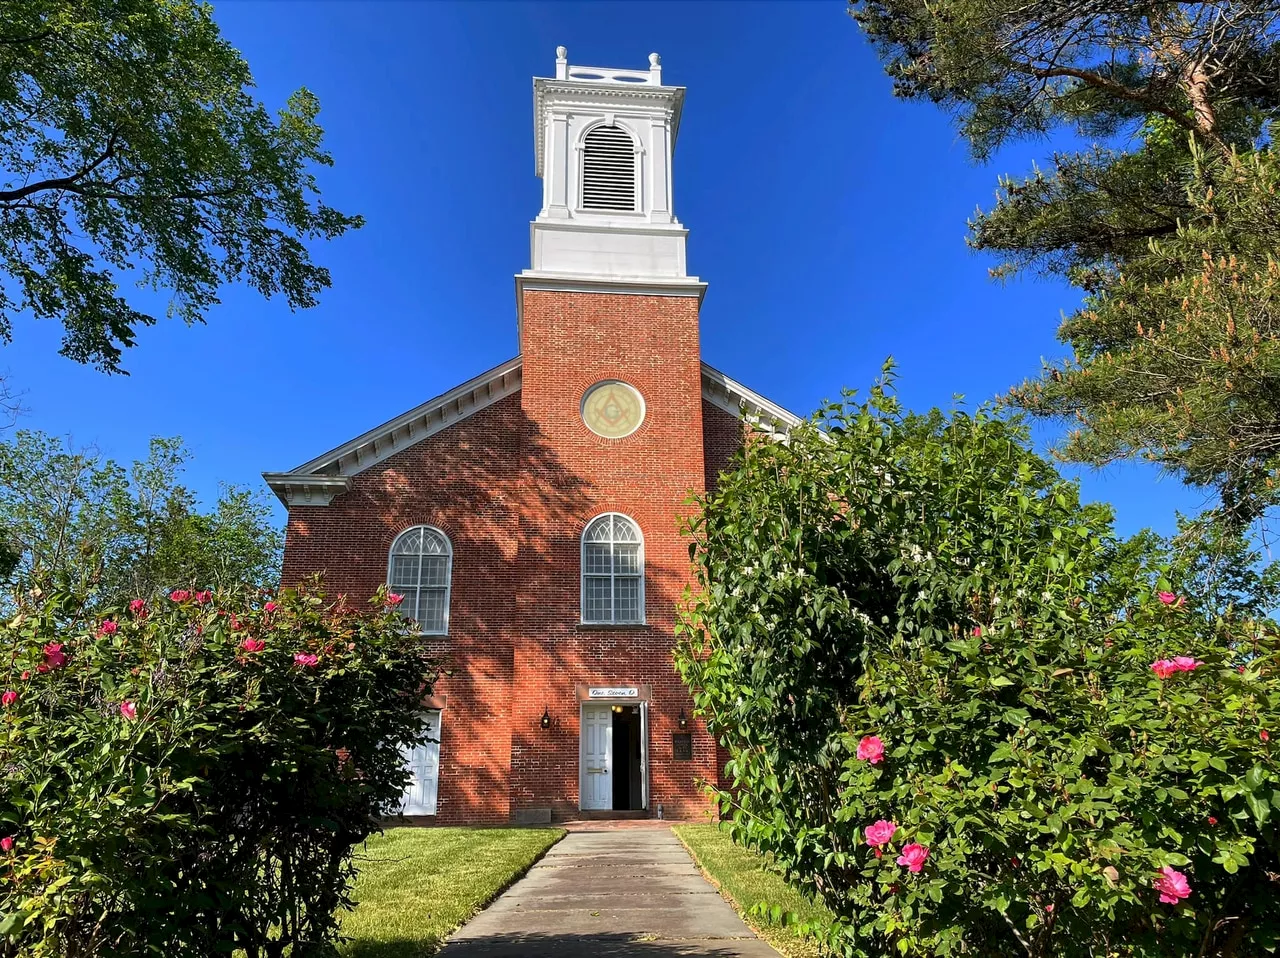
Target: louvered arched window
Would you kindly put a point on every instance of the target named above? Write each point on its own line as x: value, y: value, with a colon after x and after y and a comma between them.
x: 612, y: 571
x: 608, y: 170
x: 421, y: 570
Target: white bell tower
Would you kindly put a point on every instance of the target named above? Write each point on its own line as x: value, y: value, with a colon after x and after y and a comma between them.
x: 604, y: 140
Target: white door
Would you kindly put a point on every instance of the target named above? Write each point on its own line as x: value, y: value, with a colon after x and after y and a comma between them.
x: 597, y: 757
x: 424, y: 770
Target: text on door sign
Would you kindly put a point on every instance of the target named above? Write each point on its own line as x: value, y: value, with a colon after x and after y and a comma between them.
x: 627, y: 692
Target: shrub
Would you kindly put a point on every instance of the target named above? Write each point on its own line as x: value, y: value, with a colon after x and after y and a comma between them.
x: 966, y: 717
x: 189, y: 775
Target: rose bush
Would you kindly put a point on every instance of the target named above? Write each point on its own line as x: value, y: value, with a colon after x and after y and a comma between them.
x: 189, y: 774
x: 967, y: 717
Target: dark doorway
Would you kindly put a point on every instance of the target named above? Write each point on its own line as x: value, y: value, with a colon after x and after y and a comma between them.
x: 626, y: 758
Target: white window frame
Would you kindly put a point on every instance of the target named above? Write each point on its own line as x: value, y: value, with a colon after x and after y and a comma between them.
x: 613, y: 576
x: 448, y: 572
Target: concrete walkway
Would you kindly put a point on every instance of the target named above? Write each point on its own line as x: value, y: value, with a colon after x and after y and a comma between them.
x: 610, y: 894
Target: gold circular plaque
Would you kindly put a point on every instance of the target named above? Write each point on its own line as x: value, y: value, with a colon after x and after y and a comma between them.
x: 612, y: 409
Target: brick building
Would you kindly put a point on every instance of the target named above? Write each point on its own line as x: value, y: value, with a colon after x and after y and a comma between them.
x: 531, y: 515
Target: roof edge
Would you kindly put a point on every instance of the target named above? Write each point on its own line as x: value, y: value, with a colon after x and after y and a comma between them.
x: 737, y: 400
x: 372, y: 447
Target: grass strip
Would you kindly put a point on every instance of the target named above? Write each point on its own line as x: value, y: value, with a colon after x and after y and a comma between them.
x: 416, y: 885
x: 744, y: 878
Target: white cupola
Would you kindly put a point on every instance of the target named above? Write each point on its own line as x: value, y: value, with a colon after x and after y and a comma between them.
x: 603, y: 141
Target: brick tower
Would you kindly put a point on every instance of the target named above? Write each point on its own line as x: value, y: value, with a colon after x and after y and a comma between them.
x: 608, y: 324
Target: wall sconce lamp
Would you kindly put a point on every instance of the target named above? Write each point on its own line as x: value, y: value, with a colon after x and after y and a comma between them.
x: 682, y: 721
x: 546, y: 718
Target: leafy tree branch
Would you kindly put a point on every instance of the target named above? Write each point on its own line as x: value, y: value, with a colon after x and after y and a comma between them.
x: 132, y: 151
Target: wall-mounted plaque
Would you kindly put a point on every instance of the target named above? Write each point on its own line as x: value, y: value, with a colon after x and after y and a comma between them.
x: 682, y: 746
x: 613, y: 409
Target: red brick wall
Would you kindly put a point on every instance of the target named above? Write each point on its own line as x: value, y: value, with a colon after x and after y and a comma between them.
x: 723, y: 435
x: 513, y: 486
x: 465, y: 480
x: 571, y: 341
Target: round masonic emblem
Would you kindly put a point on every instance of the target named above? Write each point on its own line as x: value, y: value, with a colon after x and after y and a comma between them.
x: 612, y: 409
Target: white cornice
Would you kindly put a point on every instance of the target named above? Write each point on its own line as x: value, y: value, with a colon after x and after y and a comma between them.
x: 581, y: 93
x: 334, y: 468
x: 737, y: 400
x: 304, y: 490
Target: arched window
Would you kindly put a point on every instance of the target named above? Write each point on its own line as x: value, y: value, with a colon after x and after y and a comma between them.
x: 420, y: 569
x: 612, y: 571
x: 608, y: 170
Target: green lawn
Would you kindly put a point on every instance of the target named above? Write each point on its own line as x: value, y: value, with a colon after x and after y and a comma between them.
x: 744, y: 879
x: 418, y: 884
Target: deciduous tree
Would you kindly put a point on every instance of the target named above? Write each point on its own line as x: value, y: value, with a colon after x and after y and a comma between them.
x: 133, y: 151
x: 76, y: 519
x: 965, y: 716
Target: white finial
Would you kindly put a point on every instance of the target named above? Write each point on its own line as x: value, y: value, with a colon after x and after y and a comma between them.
x: 561, y: 53
x: 562, y: 63
x: 654, y: 59
x: 655, y: 68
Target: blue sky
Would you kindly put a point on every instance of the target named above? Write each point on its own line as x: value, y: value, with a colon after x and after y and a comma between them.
x: 827, y: 217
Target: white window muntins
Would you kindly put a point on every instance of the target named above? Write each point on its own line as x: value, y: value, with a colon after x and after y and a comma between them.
x: 612, y: 571
x: 608, y: 170
x: 421, y: 569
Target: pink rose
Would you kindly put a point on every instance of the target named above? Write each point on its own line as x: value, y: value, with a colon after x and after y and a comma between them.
x: 1185, y: 663
x: 54, y: 657
x: 394, y: 598
x: 253, y: 645
x: 6, y: 843
x: 880, y: 833
x: 128, y: 711
x: 108, y: 628
x: 179, y: 595
x: 1264, y: 736
x: 1172, y: 885
x: 871, y: 749
x: 138, y: 608
x: 26, y: 674
x: 269, y: 607
x: 8, y: 698
x: 203, y: 597
x: 913, y: 856
x: 1168, y: 598
x: 1163, y: 668
x: 305, y: 660
x: 977, y: 631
